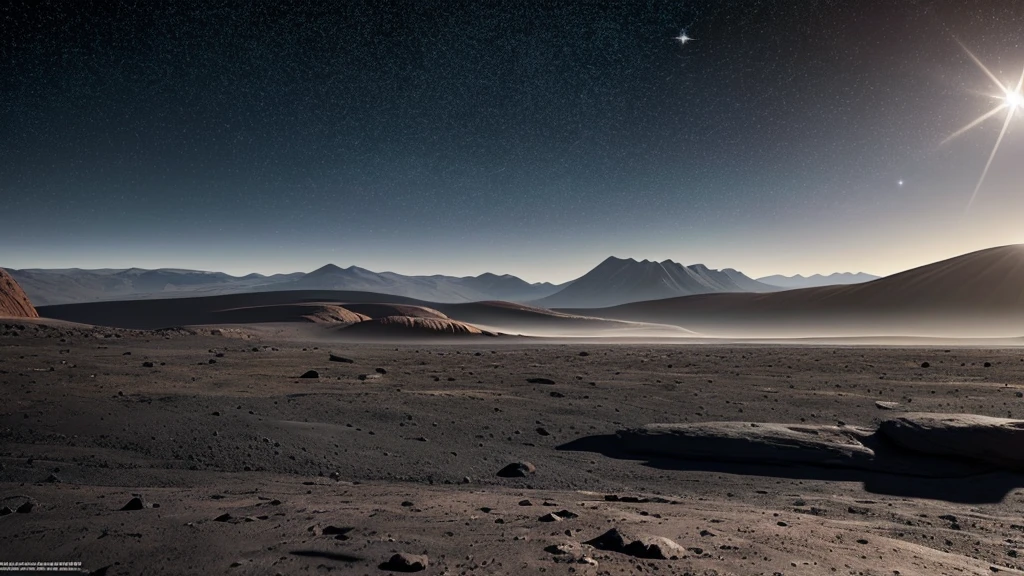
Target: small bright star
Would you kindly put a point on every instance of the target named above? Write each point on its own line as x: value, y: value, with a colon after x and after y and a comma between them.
x: 900, y: 182
x: 683, y: 38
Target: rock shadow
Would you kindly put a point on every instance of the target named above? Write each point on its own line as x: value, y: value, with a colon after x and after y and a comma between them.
x: 336, y: 556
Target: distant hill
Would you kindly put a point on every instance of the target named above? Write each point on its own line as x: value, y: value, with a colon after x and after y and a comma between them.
x: 617, y: 281
x: 980, y: 294
x: 798, y: 281
x: 326, y: 307
x: 68, y: 286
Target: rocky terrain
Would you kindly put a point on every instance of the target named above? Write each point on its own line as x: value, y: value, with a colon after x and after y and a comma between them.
x: 251, y: 450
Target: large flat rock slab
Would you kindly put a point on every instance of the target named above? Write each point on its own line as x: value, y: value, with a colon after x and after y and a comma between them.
x: 844, y: 447
x: 753, y: 442
x: 996, y: 441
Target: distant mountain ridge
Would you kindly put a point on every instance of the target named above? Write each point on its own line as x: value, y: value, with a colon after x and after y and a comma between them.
x: 618, y: 281
x: 72, y: 285
x: 612, y: 282
x: 816, y: 280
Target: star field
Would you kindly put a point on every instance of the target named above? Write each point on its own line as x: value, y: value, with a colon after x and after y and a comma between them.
x: 532, y: 138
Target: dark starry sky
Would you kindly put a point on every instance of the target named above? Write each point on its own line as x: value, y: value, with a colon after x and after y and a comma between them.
x: 526, y: 137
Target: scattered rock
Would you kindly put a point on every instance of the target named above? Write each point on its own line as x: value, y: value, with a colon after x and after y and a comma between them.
x: 543, y: 432
x: 584, y: 353
x: 638, y: 545
x: 380, y: 371
x: 310, y: 374
x: 25, y: 508
x: 570, y: 552
x: 225, y: 517
x: 403, y: 562
x: 558, y: 516
x: 336, y: 358
x: 626, y: 499
x: 886, y: 405
x: 147, y: 364
x: 340, y: 532
x: 517, y: 470
x: 540, y: 381
x: 925, y: 365
x: 369, y: 376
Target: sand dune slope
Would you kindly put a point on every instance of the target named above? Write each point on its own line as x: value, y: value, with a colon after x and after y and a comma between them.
x: 151, y: 314
x: 388, y: 326
x: 295, y: 306
x: 319, y: 313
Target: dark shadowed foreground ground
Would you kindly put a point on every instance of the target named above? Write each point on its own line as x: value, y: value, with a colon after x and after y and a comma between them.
x: 335, y: 474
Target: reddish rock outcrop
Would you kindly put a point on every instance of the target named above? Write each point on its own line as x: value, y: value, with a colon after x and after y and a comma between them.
x: 13, y: 301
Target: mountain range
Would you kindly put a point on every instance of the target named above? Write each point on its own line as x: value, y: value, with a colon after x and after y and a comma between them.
x: 617, y: 281
x: 798, y: 281
x: 67, y: 286
x: 614, y: 281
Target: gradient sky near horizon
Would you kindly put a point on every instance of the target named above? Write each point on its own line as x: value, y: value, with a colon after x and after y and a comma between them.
x: 524, y: 137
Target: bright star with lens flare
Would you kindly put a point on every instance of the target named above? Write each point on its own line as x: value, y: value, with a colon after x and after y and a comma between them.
x: 1011, y: 99
x: 682, y: 38
x: 1014, y: 100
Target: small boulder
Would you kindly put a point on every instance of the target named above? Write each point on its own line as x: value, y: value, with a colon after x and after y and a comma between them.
x: 310, y: 374
x: 558, y: 516
x: 571, y: 552
x: 403, y: 562
x: 336, y: 358
x: 540, y: 381
x: 517, y: 470
x: 339, y: 532
x: 638, y: 545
